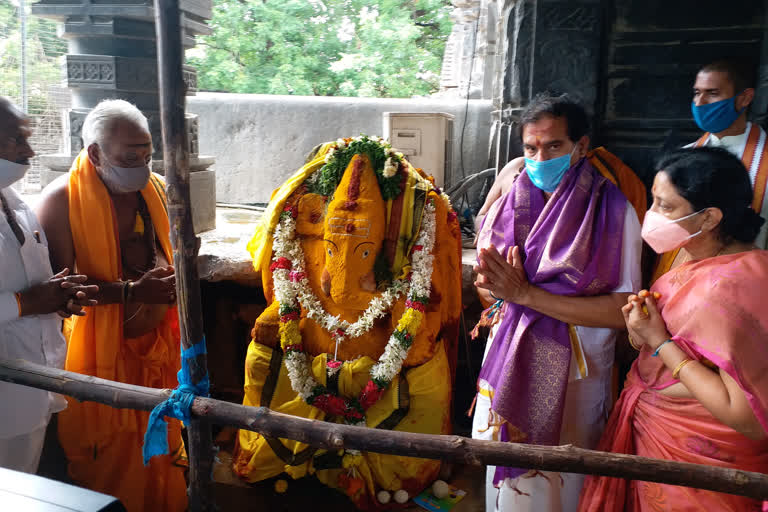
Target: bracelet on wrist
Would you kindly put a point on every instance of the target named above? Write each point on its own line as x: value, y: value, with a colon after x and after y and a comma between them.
x: 632, y: 342
x: 125, y: 291
x: 656, y: 352
x: 676, y: 371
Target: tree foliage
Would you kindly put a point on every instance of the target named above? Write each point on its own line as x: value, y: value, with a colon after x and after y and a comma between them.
x: 44, y: 50
x: 384, y: 48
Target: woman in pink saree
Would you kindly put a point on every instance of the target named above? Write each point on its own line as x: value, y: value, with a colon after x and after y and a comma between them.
x: 698, y: 391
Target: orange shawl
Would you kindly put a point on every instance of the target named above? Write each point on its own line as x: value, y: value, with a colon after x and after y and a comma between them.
x: 621, y: 175
x: 103, y: 444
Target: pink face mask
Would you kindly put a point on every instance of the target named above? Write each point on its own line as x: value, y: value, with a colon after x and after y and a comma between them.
x: 664, y: 235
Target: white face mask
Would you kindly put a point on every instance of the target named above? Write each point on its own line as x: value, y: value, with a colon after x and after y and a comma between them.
x: 11, y: 172
x: 122, y: 180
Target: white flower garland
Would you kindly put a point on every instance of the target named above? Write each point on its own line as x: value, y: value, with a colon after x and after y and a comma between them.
x: 292, y: 289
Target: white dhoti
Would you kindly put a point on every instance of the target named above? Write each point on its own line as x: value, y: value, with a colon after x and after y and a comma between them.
x: 22, y: 453
x: 583, y: 422
x: 587, y: 405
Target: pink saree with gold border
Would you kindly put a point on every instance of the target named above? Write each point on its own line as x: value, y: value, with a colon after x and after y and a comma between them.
x: 715, y: 310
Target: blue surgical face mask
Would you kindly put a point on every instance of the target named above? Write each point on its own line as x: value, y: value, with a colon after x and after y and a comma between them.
x: 716, y: 117
x: 547, y: 174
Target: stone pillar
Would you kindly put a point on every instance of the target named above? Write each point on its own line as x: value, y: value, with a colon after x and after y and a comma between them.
x: 467, y: 70
x: 760, y: 105
x: 112, y: 54
x: 549, y: 45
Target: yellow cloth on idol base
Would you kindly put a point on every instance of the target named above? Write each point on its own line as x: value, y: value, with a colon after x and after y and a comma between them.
x: 428, y: 412
x: 354, y: 217
x: 103, y: 444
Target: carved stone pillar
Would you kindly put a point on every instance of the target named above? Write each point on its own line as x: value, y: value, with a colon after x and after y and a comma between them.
x: 468, y: 59
x: 760, y: 105
x: 112, y: 54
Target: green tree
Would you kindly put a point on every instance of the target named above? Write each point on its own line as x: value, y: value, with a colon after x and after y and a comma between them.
x: 385, y: 48
x: 44, y: 50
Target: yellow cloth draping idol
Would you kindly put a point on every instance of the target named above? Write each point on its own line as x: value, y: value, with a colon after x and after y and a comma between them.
x: 419, y: 399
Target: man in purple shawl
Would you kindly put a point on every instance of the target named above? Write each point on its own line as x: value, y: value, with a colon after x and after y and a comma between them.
x: 560, y: 252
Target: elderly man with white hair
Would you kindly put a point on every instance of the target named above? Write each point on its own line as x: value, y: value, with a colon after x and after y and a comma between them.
x: 108, y: 219
x: 30, y: 297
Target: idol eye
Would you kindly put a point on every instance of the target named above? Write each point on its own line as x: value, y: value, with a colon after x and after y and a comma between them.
x: 330, y: 252
x: 366, y: 253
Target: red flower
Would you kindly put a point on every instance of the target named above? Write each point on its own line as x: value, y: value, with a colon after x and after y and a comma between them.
x: 338, y: 333
x: 417, y: 247
x: 418, y: 306
x: 321, y: 402
x: 330, y: 404
x: 296, y: 276
x: 293, y: 315
x: 280, y: 263
x: 333, y: 363
x: 297, y: 348
x: 336, y: 405
x: 354, y: 414
x: 370, y: 394
x: 452, y: 215
x: 292, y: 210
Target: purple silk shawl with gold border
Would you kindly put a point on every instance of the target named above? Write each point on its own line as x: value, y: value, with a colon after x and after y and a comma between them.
x: 572, y: 245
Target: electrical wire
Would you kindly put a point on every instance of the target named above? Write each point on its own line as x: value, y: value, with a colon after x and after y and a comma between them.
x: 466, y: 104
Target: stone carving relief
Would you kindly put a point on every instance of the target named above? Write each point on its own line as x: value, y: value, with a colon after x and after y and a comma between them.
x: 75, y: 131
x: 569, y: 17
x: 84, y: 71
x: 193, y: 131
x: 190, y: 79
x: 567, y: 64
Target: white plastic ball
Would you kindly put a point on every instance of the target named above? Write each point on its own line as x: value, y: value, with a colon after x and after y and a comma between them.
x: 440, y: 489
x: 401, y: 496
x: 384, y: 497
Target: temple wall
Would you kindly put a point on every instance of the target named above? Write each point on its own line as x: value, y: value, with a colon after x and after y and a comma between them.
x: 260, y: 140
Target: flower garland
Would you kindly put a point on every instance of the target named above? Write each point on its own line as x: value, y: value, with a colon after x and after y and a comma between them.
x: 385, y: 160
x: 292, y: 291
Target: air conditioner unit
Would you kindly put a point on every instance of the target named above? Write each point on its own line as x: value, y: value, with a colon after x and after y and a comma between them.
x: 425, y: 138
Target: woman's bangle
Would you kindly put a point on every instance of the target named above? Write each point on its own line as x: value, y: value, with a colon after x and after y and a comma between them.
x: 679, y: 367
x: 631, y: 342
x: 656, y: 352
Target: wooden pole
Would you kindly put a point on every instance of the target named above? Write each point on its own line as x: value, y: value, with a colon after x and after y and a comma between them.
x: 185, y: 245
x: 333, y: 436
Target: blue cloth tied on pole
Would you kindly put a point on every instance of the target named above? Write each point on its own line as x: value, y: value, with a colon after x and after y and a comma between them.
x: 178, y: 405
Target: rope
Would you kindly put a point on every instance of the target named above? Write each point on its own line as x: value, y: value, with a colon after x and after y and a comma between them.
x: 177, y: 406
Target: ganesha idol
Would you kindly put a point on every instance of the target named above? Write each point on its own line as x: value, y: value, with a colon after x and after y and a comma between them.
x: 359, y: 256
